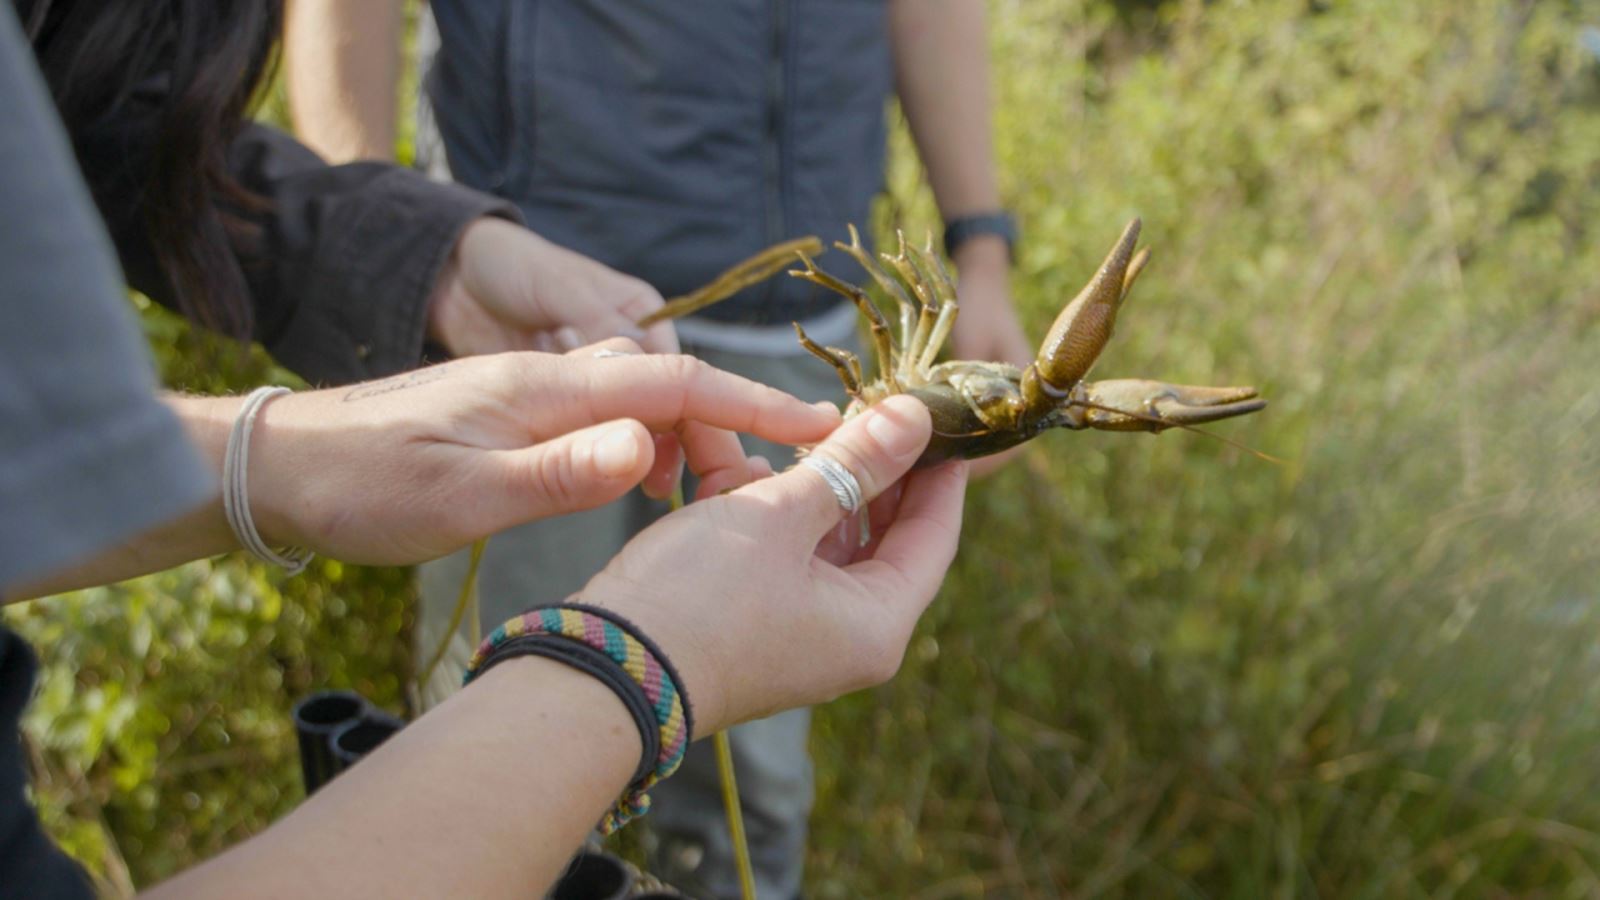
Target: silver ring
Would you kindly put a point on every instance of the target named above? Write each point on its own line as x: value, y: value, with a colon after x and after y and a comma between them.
x: 846, y: 489
x: 608, y: 353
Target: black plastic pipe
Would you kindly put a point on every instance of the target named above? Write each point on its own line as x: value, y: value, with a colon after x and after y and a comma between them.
x: 316, y: 719
x: 593, y: 875
x: 356, y: 739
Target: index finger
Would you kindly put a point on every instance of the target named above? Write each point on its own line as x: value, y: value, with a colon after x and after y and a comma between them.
x: 663, y: 391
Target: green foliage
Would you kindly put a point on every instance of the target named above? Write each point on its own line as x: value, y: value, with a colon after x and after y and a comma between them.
x: 162, y: 722
x: 1160, y: 667
x: 1166, y: 668
x: 161, y: 730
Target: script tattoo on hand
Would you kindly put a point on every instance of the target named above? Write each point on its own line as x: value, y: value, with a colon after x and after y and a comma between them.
x: 403, y: 382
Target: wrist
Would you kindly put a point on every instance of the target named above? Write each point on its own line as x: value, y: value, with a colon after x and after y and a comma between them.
x: 447, y: 294
x: 983, y: 255
x: 961, y: 230
x: 537, y: 719
x: 690, y: 652
x: 208, y: 421
x: 485, y: 293
x: 454, y: 288
x: 270, y: 481
x: 586, y: 707
x: 614, y: 652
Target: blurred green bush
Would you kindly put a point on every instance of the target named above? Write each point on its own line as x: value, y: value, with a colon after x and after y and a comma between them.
x: 1166, y: 668
x: 1159, y: 667
x: 161, y: 733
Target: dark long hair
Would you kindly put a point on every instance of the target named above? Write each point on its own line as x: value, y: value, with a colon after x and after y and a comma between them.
x: 152, y: 93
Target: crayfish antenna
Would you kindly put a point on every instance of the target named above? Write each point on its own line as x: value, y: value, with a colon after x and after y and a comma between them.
x: 757, y: 268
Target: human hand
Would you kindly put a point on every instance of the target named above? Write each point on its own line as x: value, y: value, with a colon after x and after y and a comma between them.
x: 756, y: 605
x: 412, y: 467
x: 987, y: 328
x: 507, y: 288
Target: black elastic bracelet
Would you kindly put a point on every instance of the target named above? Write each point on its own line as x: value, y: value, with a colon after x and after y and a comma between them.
x: 661, y: 658
x: 603, y: 644
x: 593, y: 662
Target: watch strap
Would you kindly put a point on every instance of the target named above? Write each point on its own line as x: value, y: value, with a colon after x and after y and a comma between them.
x: 963, y: 228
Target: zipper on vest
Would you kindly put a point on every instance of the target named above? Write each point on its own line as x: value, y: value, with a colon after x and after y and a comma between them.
x: 772, y: 151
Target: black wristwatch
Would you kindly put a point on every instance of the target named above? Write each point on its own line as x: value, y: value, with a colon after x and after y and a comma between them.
x: 959, y: 230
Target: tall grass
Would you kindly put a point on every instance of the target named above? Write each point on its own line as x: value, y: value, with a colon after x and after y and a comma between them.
x: 1166, y: 668
x: 1160, y: 667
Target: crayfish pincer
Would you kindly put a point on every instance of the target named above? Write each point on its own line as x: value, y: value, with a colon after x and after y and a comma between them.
x: 981, y: 408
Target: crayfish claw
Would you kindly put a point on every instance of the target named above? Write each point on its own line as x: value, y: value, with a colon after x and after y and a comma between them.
x: 1084, y: 326
x: 1134, y: 404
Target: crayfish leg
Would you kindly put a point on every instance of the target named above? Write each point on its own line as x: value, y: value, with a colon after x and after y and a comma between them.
x: 843, y: 361
x: 882, y: 338
x: 908, y: 310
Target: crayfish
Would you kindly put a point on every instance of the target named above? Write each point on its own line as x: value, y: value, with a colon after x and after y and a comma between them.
x: 981, y: 408
x: 978, y: 407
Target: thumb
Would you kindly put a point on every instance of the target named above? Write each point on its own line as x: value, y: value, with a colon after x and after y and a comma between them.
x: 576, y: 471
x: 877, y: 447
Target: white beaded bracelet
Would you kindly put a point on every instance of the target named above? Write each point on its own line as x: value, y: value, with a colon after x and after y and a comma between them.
x: 235, y: 498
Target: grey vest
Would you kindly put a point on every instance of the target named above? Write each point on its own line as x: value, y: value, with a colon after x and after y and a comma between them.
x: 671, y: 138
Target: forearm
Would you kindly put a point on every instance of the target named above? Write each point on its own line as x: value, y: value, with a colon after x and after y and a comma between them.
x: 942, y: 75
x: 486, y: 796
x: 941, y: 61
x: 342, y: 59
x: 201, y: 532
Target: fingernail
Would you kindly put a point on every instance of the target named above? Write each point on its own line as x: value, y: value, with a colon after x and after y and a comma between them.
x: 892, y: 435
x: 631, y: 332
x: 616, y: 453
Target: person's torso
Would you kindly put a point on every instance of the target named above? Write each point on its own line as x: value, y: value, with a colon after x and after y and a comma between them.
x: 670, y: 141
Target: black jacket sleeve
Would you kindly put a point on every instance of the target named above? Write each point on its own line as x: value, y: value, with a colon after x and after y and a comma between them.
x: 349, y: 255
x: 343, y: 259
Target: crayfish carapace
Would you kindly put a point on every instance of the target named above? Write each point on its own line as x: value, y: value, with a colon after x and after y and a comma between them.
x: 981, y: 408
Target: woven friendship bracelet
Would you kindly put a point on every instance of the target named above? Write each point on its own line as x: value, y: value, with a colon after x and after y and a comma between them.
x: 603, y: 644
